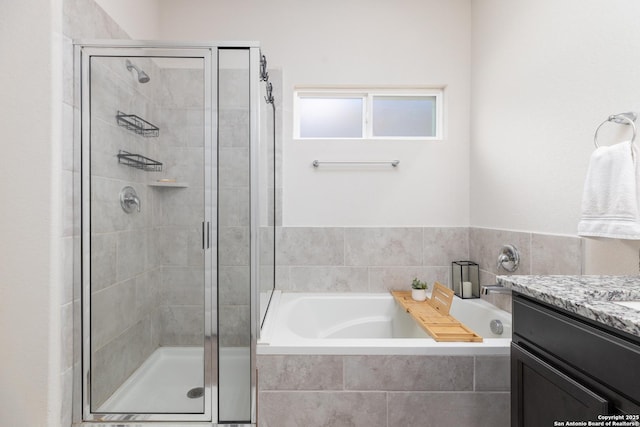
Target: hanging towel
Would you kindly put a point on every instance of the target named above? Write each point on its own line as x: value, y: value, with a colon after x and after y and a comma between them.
x: 610, y: 198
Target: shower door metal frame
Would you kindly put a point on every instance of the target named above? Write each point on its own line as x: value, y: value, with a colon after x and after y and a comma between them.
x: 84, y: 51
x: 254, y: 187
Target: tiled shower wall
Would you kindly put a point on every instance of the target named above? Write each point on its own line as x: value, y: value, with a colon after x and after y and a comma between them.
x: 158, y: 259
x: 233, y: 205
x: 176, y: 238
x: 233, y: 201
x: 82, y: 19
x: 138, y: 261
x: 147, y: 266
x: 147, y: 277
x: 123, y: 275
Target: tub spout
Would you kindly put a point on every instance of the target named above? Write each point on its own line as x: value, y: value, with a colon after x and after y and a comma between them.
x: 494, y: 289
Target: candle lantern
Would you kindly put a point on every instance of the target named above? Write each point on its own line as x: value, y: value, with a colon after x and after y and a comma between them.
x: 465, y: 279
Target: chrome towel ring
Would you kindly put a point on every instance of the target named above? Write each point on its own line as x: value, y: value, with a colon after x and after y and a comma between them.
x: 627, y: 118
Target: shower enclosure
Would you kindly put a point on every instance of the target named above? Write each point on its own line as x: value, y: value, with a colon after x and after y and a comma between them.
x: 177, y: 230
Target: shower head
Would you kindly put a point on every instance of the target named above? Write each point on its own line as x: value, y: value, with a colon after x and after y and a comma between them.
x: 142, y: 76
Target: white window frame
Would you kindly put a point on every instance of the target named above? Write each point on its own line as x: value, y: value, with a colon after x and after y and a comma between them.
x: 367, y: 95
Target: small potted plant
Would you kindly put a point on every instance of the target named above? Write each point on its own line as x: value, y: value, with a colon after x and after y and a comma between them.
x: 419, y: 290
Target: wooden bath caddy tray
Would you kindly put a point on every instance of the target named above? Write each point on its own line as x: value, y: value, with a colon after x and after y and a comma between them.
x: 433, y: 315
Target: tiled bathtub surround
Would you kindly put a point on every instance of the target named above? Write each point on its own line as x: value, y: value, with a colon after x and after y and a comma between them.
x: 333, y: 259
x: 383, y: 391
x: 372, y: 259
x: 539, y: 254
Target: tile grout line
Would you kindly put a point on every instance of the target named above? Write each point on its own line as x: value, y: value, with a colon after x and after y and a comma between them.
x: 344, y: 247
x: 344, y: 374
x: 386, y: 393
x: 475, y: 362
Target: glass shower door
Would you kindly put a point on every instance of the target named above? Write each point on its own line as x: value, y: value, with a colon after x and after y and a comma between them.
x: 148, y: 223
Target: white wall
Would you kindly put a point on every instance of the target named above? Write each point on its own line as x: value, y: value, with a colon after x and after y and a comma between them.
x: 545, y: 74
x: 139, y: 18
x: 360, y: 42
x: 30, y: 221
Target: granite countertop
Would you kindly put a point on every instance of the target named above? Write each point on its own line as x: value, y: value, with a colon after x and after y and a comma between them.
x: 587, y: 296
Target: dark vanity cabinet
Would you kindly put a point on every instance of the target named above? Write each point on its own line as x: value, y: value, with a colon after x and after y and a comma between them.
x: 565, y: 368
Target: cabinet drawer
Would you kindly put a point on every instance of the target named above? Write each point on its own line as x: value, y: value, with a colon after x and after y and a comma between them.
x: 606, y: 358
x: 542, y: 394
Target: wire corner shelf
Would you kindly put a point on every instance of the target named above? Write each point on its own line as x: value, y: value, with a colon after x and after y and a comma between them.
x: 137, y: 124
x: 139, y: 162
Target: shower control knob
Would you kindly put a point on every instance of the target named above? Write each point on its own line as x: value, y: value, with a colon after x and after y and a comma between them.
x: 508, y: 258
x: 129, y: 200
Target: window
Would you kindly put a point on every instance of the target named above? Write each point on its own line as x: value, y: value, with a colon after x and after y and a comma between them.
x: 404, y: 116
x: 368, y: 114
x: 331, y: 117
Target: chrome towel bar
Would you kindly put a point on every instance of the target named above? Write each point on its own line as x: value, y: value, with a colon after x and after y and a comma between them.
x: 393, y: 163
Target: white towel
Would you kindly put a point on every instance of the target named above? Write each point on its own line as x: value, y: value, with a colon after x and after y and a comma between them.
x: 610, y: 199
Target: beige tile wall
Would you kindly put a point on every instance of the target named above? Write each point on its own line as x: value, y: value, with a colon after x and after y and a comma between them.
x: 123, y: 269
x: 334, y: 259
x: 539, y: 254
x: 385, y: 391
x: 233, y: 204
x: 176, y: 237
x: 377, y: 259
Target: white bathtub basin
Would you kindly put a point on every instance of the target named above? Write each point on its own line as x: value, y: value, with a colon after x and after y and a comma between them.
x: 370, y: 323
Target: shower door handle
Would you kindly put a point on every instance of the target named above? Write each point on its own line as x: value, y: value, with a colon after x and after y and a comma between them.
x: 206, y: 243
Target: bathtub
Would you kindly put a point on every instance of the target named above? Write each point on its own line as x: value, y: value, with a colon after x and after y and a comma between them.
x: 371, y: 324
